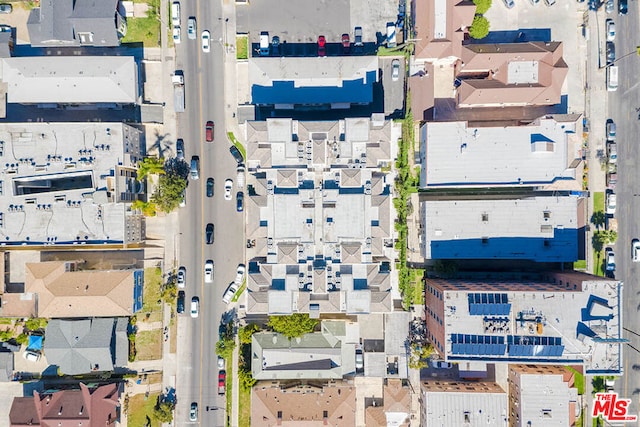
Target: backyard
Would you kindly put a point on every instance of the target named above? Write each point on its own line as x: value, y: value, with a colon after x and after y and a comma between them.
x: 145, y: 30
x: 152, y: 299
x: 140, y: 410
x: 149, y: 345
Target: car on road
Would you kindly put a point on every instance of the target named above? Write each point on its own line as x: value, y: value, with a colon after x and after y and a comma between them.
x: 205, y: 38
x: 180, y: 149
x: 220, y: 363
x: 208, y: 231
x: 611, y: 130
x: 195, y: 168
x: 181, y: 278
x: 239, y: 201
x: 322, y: 41
x: 441, y: 364
x: 611, y: 30
x: 176, y: 35
x: 359, y: 360
x: 230, y: 293
x: 611, y: 53
x: 191, y: 28
x: 193, y: 412
x: 195, y: 306
x: 610, y: 260
x: 635, y: 250
x: 609, y: 6
x: 222, y: 379
x: 240, y: 274
x: 623, y: 7
x: 180, y: 303
x: 208, y: 131
x: 235, y: 152
x: 395, y: 70
x: 509, y: 3
x: 6, y: 8
x: 346, y: 43
x: 611, y: 204
x: 228, y: 186
x: 208, y: 271
x: 31, y: 356
x: 210, y: 187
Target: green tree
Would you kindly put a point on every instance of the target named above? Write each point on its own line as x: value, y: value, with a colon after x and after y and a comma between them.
x: 482, y: 6
x: 150, y: 165
x: 479, y: 28
x: 22, y: 338
x: 147, y: 208
x: 598, y: 219
x: 246, y: 332
x: 419, y: 356
x: 611, y: 236
x: 36, y: 324
x: 598, y: 240
x: 294, y: 325
x: 6, y: 335
x: 169, y: 292
x: 246, y: 379
x: 224, y: 348
x: 168, y: 195
x: 163, y: 411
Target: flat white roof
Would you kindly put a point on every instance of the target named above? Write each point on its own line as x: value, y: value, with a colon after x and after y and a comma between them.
x: 459, y: 408
x: 454, y: 155
x: 440, y: 19
x: 522, y: 72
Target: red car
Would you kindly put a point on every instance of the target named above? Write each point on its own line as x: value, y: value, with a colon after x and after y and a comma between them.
x: 346, y: 43
x: 321, y: 46
x: 222, y: 378
x: 209, y: 131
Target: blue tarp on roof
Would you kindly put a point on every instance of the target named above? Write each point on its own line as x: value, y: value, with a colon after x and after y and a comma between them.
x: 35, y: 342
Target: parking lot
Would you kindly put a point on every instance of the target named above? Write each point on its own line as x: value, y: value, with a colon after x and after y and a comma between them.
x: 298, y: 24
x: 564, y: 20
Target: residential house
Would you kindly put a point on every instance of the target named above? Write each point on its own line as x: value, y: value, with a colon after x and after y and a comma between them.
x: 84, y: 407
x: 394, y: 409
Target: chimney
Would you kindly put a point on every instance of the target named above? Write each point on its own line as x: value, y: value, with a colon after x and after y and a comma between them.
x: 81, y: 410
x: 60, y: 411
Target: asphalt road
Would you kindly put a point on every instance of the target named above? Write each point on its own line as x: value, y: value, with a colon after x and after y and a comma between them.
x: 623, y: 105
x: 204, y: 83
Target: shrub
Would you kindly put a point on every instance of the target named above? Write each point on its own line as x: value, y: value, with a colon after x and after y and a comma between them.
x: 479, y: 28
x: 482, y: 6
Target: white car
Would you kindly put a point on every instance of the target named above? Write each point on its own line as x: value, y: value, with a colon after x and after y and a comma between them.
x: 395, y: 70
x: 611, y: 204
x: 220, y: 363
x: 208, y: 271
x: 239, y: 275
x: 230, y: 293
x: 228, y: 186
x: 206, y: 41
x: 176, y: 35
x: 611, y: 261
x: 191, y: 28
x: 611, y: 30
x: 195, y: 307
x: 31, y: 356
x: 635, y: 250
x: 182, y: 277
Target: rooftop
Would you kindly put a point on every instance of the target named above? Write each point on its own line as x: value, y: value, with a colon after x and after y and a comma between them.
x: 543, y: 229
x: 70, y: 79
x: 68, y: 183
x: 559, y: 318
x: 454, y: 155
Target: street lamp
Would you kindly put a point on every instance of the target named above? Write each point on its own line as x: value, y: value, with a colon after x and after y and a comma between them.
x: 636, y: 52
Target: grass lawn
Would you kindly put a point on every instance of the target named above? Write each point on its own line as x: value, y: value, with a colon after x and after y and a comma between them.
x: 139, y: 409
x: 242, y: 47
x: 581, y: 264
x: 416, y: 282
x: 384, y: 51
x: 144, y: 30
x: 149, y: 345
x: 152, y: 294
x: 244, y: 407
x: 579, y: 380
x: 598, y: 263
x: 236, y: 297
x: 598, y: 201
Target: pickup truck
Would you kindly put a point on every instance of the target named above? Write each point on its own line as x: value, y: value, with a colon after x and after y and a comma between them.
x: 178, y: 92
x: 222, y: 379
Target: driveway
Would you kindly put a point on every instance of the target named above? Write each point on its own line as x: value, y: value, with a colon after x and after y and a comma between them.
x: 18, y: 20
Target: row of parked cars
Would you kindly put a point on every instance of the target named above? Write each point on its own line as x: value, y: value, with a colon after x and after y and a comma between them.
x: 230, y: 292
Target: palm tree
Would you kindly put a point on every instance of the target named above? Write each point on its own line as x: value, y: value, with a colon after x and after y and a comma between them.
x: 150, y: 165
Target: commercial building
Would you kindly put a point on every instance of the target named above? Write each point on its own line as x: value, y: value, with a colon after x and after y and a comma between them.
x: 319, y: 217
x: 561, y: 318
x: 393, y: 409
x: 69, y: 184
x: 542, y: 229
x: 59, y: 289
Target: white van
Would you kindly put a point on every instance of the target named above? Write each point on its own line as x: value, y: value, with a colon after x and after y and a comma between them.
x: 391, y: 35
x: 264, y: 43
x: 175, y: 13
x: 612, y: 78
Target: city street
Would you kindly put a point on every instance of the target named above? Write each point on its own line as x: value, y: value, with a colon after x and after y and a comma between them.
x: 204, y: 88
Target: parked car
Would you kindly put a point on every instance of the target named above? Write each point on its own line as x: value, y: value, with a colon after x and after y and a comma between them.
x: 611, y: 53
x: 611, y: 204
x: 239, y: 201
x: 622, y: 7
x: 509, y: 3
x: 205, y: 39
x: 208, y: 231
x: 609, y: 6
x: 610, y: 260
x: 237, y: 155
x: 5, y: 28
x: 31, y: 356
x: 220, y: 363
x: 176, y: 35
x: 612, y: 152
x: 359, y: 360
x: 395, y: 70
x: 635, y: 250
x: 240, y: 176
x: 180, y: 302
x: 230, y: 293
x: 611, y: 130
x: 191, y: 28
x: 180, y: 149
x: 322, y: 41
x: 222, y: 379
x: 208, y: 130
x: 195, y: 307
x: 612, y: 180
x: 208, y: 271
x: 193, y: 412
x: 611, y: 30
x: 550, y: 2
x: 175, y: 13
x: 181, y: 278
x: 240, y: 274
x: 441, y: 364
x: 210, y: 183
x: 346, y: 43
x: 228, y: 186
x: 6, y: 8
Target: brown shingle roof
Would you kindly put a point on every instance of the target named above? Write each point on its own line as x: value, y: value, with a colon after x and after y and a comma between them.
x: 396, y: 399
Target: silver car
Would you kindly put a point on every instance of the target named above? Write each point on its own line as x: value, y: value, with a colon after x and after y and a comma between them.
x: 609, y: 6
x: 611, y: 30
x: 191, y: 28
x: 395, y: 70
